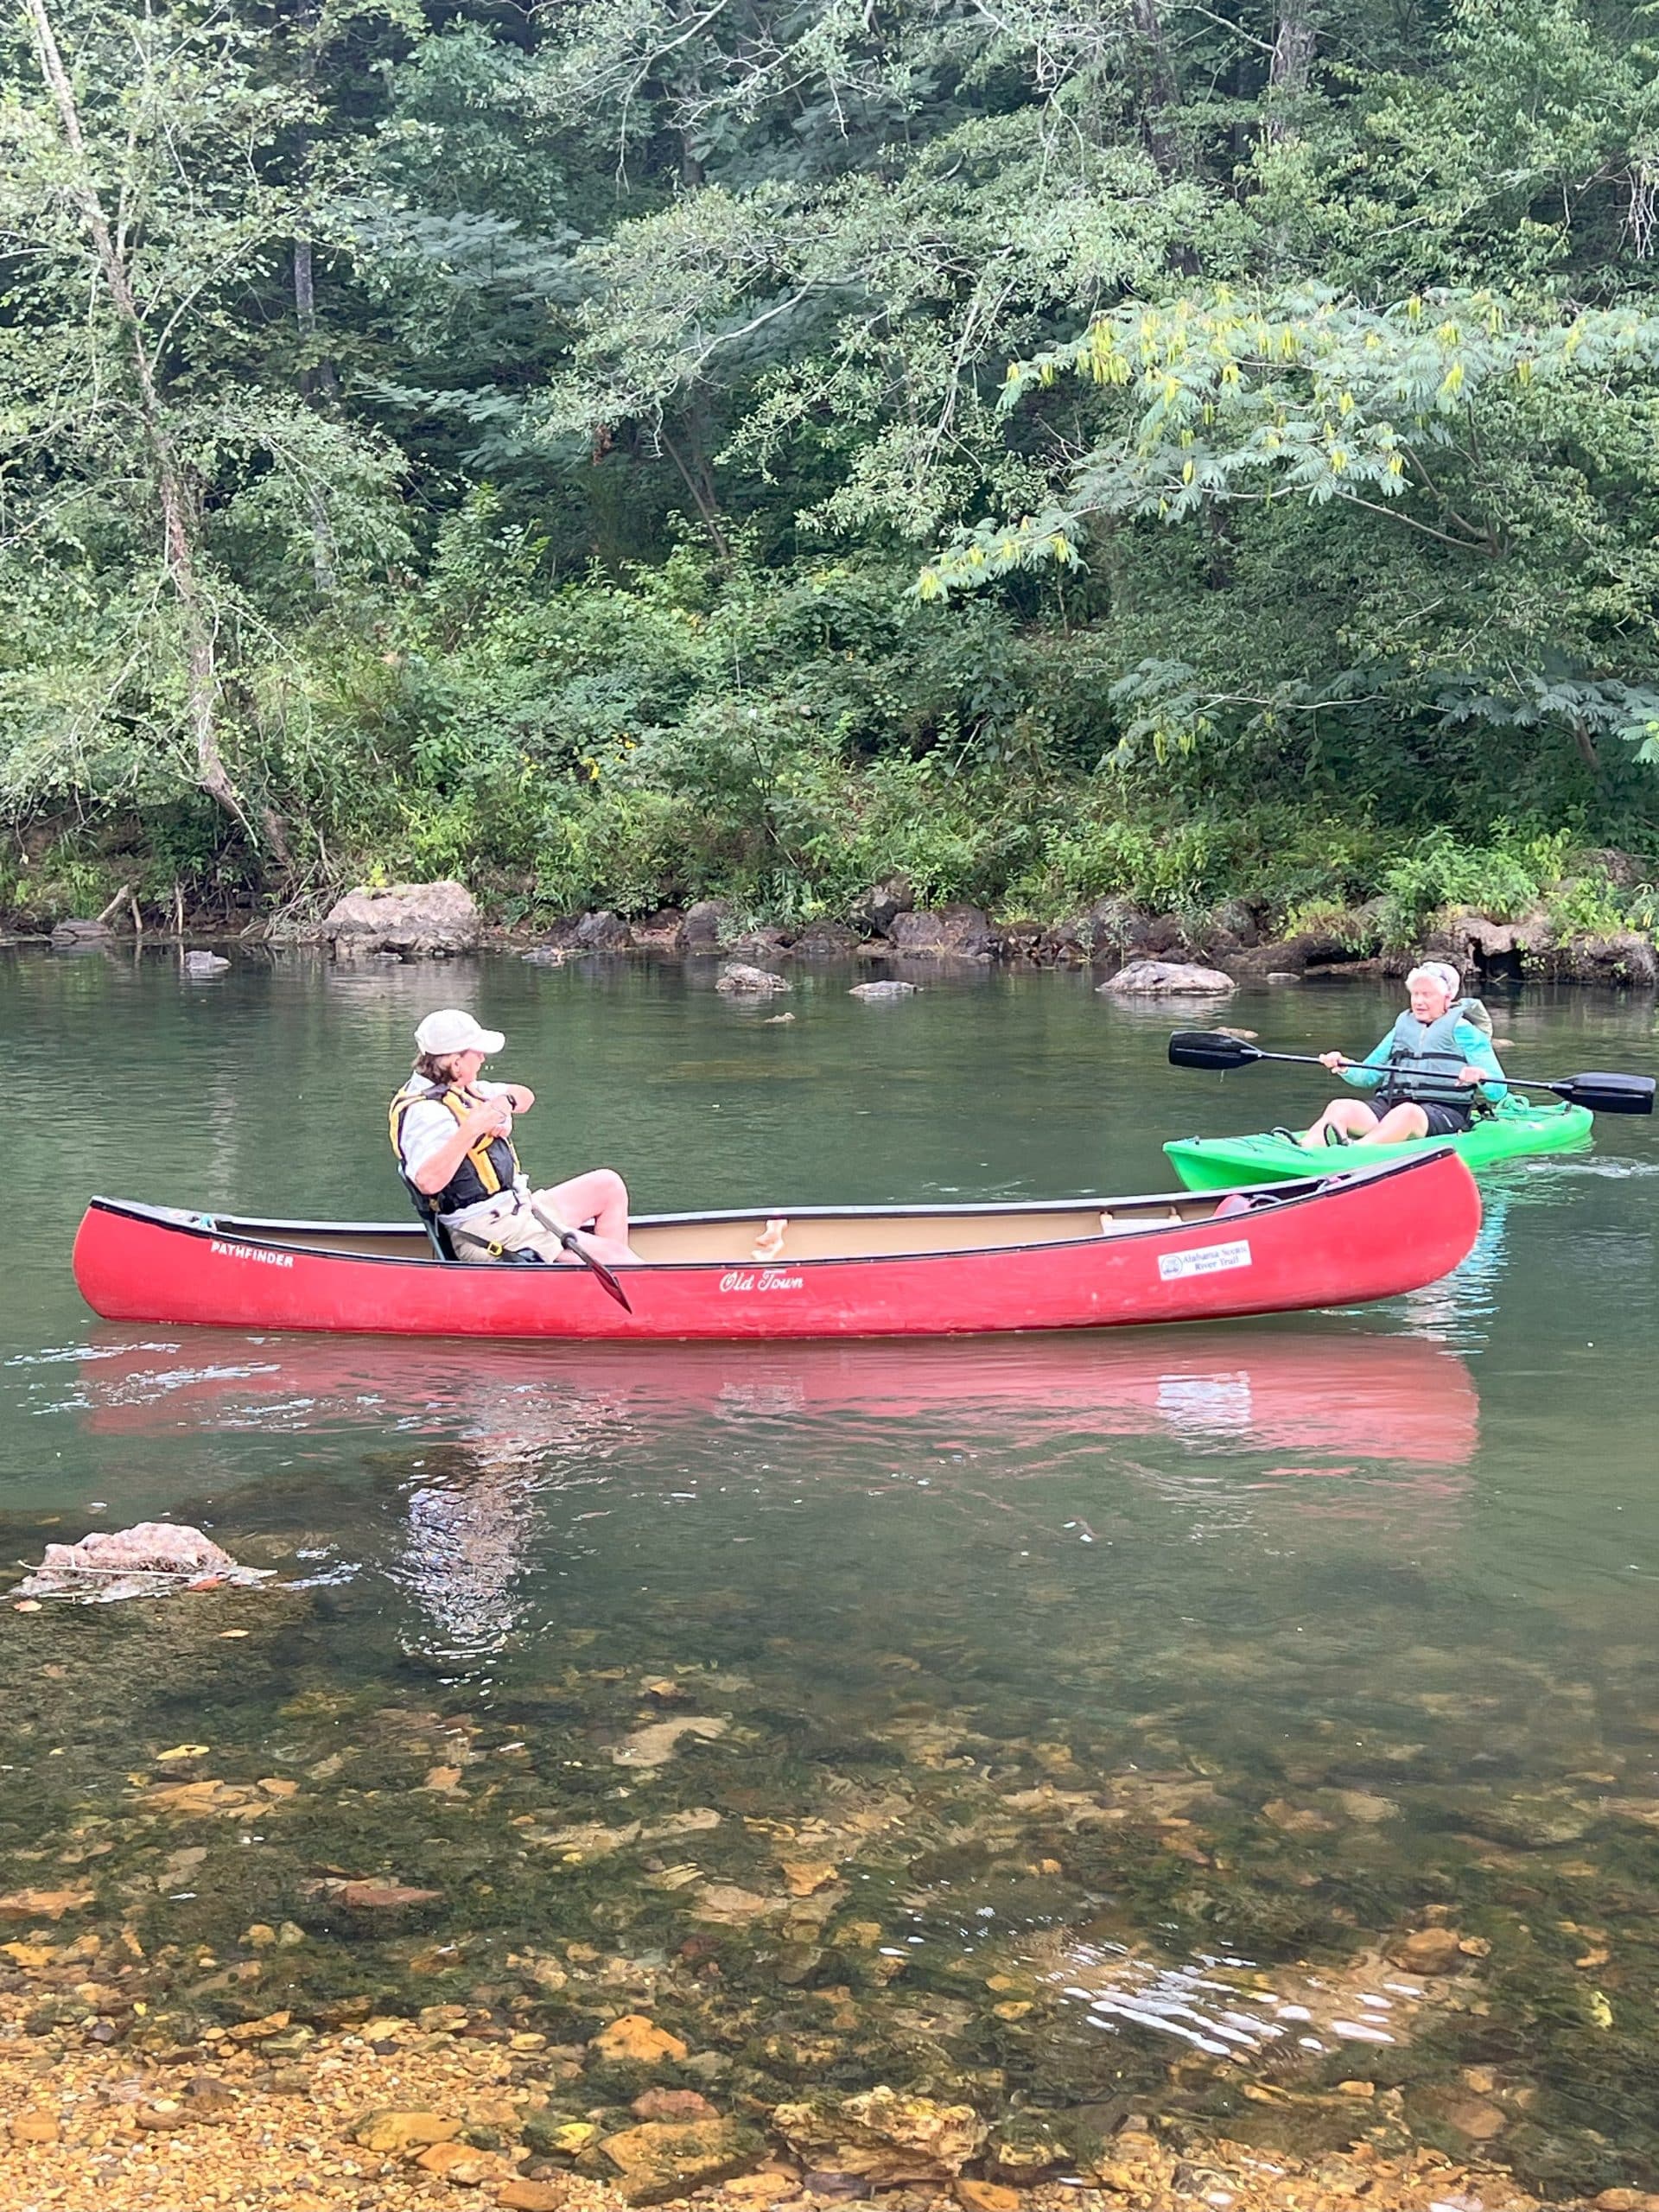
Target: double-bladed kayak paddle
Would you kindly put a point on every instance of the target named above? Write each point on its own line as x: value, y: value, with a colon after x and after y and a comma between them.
x: 1220, y: 1053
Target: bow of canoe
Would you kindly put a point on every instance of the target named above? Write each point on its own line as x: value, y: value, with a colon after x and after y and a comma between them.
x: 1338, y: 1237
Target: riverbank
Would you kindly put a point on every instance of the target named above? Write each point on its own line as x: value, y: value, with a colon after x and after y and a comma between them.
x: 399, y: 2115
x: 1241, y: 941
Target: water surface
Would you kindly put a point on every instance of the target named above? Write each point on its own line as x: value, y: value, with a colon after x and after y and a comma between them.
x: 1078, y: 1720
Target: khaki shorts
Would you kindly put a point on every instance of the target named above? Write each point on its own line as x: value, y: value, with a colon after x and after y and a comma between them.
x: 517, y: 1231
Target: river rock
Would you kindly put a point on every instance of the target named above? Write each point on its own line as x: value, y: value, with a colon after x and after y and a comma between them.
x: 825, y: 940
x: 35, y: 2127
x: 523, y: 2194
x: 890, y: 2140
x: 1116, y: 927
x: 151, y: 1559
x: 660, y: 2159
x: 737, y: 980
x: 412, y: 921
x: 43, y: 1904
x: 388, y: 2133
x: 663, y: 931
x: 881, y: 904
x: 1429, y: 1950
x: 677, y: 2106
x: 706, y: 923
x: 953, y: 933
x: 603, y: 931
x: 887, y: 990
x: 636, y: 2041
x: 205, y: 964
x: 1529, y: 1823
x: 1166, y: 978
x: 79, y: 931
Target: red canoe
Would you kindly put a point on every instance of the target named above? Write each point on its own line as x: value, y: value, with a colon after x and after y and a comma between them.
x: 864, y: 1271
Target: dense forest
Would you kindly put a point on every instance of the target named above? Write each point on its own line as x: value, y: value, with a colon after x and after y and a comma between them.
x: 618, y: 450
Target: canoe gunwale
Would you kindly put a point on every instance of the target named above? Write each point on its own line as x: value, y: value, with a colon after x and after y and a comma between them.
x: 243, y: 1229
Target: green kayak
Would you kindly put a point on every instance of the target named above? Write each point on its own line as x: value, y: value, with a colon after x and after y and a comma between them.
x: 1517, y: 1127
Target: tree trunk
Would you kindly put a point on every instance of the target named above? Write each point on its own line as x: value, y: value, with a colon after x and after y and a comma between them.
x: 317, y: 380
x: 174, y: 490
x: 1158, y: 92
x: 1295, y: 41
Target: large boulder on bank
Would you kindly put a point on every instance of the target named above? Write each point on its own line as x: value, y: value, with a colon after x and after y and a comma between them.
x: 706, y: 923
x: 1117, y: 928
x: 1167, y: 979
x: 881, y: 904
x: 603, y: 931
x: 70, y: 936
x: 953, y: 933
x: 412, y: 921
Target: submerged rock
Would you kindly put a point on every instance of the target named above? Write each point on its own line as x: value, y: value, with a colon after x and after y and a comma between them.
x: 887, y: 2138
x: 201, y: 964
x: 661, y: 2158
x: 634, y: 2040
x: 887, y: 990
x: 151, y: 1559
x: 738, y: 979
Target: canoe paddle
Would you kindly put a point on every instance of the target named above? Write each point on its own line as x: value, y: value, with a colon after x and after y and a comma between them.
x: 1603, y: 1094
x: 572, y: 1244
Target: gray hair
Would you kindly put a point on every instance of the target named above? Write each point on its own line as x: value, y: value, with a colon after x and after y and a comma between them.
x: 1438, y: 971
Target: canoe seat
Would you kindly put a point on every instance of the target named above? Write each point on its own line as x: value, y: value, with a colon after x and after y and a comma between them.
x: 437, y: 1235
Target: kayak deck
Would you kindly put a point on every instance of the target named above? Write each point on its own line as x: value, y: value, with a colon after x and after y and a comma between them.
x: 1519, y: 1128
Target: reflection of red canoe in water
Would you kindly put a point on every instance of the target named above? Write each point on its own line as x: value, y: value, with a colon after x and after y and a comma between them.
x: 1337, y: 1237
x: 1319, y: 1392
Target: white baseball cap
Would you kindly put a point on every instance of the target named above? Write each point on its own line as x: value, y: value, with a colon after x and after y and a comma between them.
x: 451, y: 1031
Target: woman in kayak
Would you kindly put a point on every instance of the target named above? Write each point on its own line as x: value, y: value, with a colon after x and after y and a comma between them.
x: 1431, y: 1074
x: 453, y: 1136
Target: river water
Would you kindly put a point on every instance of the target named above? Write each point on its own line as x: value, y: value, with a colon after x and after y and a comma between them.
x: 1077, y: 1724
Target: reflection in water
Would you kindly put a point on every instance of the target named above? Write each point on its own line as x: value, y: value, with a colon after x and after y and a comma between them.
x: 1383, y: 1424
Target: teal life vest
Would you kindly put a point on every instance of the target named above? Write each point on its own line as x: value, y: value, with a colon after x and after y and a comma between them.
x: 1424, y: 1059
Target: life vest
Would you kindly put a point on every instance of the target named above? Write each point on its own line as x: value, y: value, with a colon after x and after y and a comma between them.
x: 488, y: 1169
x: 1425, y: 1057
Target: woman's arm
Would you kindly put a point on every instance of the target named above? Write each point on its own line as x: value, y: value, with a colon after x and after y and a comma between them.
x: 1366, y: 1074
x: 1477, y: 1048
x: 491, y: 1118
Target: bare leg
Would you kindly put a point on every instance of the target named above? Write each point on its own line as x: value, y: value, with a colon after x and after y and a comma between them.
x: 1351, y: 1115
x: 601, y: 1197
x: 1398, y: 1125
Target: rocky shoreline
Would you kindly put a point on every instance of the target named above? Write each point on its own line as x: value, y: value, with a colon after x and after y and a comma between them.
x: 1242, y: 938
x: 392, y: 2113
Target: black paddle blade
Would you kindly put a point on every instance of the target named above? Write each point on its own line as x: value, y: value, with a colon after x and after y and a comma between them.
x: 1209, y: 1048
x: 1608, y: 1094
x: 596, y: 1267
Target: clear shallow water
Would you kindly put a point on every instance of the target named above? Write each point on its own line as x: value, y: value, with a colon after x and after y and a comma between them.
x: 1080, y: 1667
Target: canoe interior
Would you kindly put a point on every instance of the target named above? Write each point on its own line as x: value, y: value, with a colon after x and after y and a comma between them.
x: 814, y: 1233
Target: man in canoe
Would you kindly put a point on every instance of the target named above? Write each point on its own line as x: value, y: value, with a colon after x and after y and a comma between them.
x: 453, y: 1136
x: 1432, y: 1073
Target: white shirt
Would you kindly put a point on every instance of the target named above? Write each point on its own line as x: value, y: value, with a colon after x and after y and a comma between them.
x: 428, y: 1126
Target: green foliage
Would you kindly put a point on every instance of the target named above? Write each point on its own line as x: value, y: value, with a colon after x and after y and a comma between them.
x: 561, y: 408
